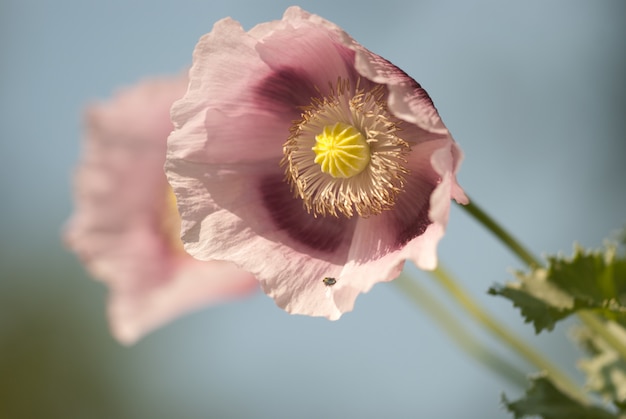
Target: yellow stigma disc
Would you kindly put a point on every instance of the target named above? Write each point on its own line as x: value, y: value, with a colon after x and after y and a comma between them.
x: 341, y: 150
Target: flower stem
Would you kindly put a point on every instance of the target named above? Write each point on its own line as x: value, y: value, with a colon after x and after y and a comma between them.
x: 437, y: 311
x: 589, y: 319
x: 462, y: 297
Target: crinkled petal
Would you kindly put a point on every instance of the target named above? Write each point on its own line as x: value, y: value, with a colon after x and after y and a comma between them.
x: 233, y: 123
x: 308, y: 51
x: 407, y: 99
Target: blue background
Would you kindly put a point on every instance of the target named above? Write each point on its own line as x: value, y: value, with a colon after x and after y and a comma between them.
x: 533, y: 91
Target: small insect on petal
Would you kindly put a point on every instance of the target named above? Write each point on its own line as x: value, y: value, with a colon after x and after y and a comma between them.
x: 329, y: 282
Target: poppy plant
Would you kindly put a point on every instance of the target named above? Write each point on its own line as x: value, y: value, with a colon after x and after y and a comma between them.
x: 309, y: 161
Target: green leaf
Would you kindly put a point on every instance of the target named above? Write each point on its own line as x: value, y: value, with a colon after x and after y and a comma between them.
x: 596, y: 279
x: 593, y: 280
x: 539, y: 301
x: 543, y: 399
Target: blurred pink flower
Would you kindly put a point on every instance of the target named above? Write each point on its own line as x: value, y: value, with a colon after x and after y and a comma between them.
x: 309, y: 161
x: 125, y: 226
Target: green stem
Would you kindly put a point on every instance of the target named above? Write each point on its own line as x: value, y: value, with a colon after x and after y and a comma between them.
x: 427, y: 302
x: 482, y: 317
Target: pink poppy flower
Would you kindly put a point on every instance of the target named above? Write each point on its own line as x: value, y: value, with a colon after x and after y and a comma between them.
x: 309, y: 161
x: 126, y: 227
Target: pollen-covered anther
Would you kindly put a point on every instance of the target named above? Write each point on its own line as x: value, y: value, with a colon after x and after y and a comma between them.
x: 344, y: 156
